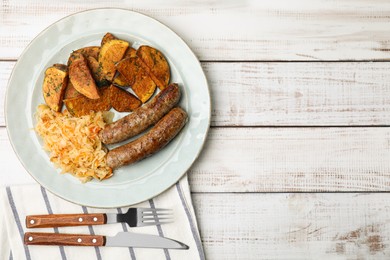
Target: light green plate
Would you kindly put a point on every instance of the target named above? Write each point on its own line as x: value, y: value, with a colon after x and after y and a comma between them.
x: 131, y: 184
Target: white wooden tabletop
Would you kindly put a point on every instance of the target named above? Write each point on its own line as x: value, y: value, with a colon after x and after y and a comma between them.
x: 296, y: 165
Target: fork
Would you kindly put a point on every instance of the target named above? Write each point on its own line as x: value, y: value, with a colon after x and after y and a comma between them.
x: 134, y: 217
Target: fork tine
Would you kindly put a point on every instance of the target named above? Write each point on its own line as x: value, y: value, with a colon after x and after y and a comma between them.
x: 157, y: 214
x: 155, y: 219
x: 155, y: 223
x: 154, y: 210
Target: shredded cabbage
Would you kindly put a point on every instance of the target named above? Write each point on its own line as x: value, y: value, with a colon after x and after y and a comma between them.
x: 73, y: 143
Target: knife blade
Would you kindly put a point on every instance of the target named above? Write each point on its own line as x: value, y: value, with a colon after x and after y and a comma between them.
x: 121, y: 239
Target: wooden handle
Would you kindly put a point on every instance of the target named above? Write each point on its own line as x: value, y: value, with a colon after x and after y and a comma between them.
x: 54, y: 239
x: 65, y: 220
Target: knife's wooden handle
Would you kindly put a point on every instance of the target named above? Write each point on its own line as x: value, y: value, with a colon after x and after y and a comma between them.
x: 65, y: 220
x: 54, y: 239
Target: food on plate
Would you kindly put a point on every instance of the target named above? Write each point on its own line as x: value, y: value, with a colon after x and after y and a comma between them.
x: 96, y: 72
x: 130, y: 53
x: 73, y: 143
x: 119, y: 79
x: 153, y: 141
x: 81, y: 105
x: 122, y: 100
x: 143, y: 70
x: 141, y: 118
x: 156, y: 65
x: 94, y: 82
x: 90, y: 51
x: 137, y: 77
x: 110, y: 53
x: 107, y: 37
x: 81, y: 78
x: 54, y: 85
x: 70, y: 91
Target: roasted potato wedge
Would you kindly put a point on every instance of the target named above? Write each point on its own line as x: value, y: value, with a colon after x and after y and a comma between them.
x: 137, y: 77
x: 129, y: 69
x: 107, y: 37
x: 144, y: 86
x: 90, y: 51
x: 95, y: 69
x: 119, y: 79
x: 70, y: 91
x: 157, y: 65
x: 81, y: 78
x: 110, y: 53
x: 122, y: 100
x: 81, y: 105
x: 54, y: 85
x: 130, y: 53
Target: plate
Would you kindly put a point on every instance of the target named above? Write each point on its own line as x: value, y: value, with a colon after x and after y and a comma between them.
x: 133, y: 183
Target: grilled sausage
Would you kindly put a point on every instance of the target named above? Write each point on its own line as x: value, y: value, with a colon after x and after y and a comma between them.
x: 154, y: 140
x: 142, y: 117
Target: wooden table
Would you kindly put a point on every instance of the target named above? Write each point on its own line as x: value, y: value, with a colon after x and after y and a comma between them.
x: 296, y: 164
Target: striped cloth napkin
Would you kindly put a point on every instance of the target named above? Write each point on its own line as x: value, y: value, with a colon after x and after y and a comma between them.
x: 19, y: 201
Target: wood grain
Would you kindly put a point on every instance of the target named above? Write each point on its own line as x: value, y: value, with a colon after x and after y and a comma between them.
x: 64, y: 220
x: 279, y: 160
x: 293, y: 159
x: 288, y: 94
x: 299, y: 94
x: 56, y: 239
x: 231, y: 30
x: 294, y: 226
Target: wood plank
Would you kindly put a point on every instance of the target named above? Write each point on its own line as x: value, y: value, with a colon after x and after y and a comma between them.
x: 289, y: 94
x: 299, y: 94
x: 293, y: 159
x: 231, y: 30
x: 5, y: 73
x: 294, y: 226
x: 279, y: 160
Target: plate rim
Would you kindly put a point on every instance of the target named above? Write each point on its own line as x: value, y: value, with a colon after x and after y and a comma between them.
x: 97, y: 205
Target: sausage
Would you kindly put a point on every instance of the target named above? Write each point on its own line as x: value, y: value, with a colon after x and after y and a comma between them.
x: 153, y: 141
x: 142, y: 117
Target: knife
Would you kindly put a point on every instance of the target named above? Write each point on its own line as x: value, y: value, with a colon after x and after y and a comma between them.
x: 121, y: 239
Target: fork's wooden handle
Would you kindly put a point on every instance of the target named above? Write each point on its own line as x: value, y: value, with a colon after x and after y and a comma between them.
x: 65, y: 220
x: 54, y: 239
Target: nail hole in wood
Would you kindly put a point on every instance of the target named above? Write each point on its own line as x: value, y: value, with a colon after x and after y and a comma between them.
x: 30, y: 238
x: 79, y: 240
x: 81, y: 219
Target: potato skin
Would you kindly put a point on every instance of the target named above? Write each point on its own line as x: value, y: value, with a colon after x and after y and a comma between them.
x: 81, y: 105
x: 90, y: 51
x: 70, y: 91
x: 111, y: 53
x: 81, y: 78
x: 122, y: 100
x: 137, y: 77
x: 54, y: 85
x: 156, y: 65
x: 107, y: 37
x: 119, y: 79
x: 96, y: 72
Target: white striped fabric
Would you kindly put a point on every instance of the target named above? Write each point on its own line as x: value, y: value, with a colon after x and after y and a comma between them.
x: 19, y: 201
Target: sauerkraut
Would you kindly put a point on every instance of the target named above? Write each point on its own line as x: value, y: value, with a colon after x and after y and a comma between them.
x: 73, y: 143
